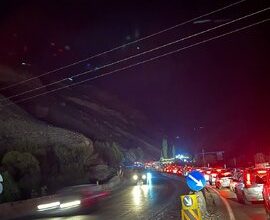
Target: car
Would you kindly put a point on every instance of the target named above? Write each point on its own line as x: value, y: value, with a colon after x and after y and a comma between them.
x: 72, y: 199
x: 250, y: 187
x: 223, y: 180
x: 237, y: 175
x: 266, y: 194
x: 206, y: 173
x: 140, y: 176
x: 180, y: 171
x: 167, y: 169
x: 213, y: 176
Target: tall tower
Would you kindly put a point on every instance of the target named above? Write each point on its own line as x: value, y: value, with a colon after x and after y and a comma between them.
x: 164, y: 149
x: 173, y: 151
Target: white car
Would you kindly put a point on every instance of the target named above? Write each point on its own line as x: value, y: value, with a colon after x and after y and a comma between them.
x: 206, y: 174
x: 233, y: 183
x: 223, y: 180
x: 250, y: 188
x: 237, y: 176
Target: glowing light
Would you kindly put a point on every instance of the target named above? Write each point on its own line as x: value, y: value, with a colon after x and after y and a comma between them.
x: 143, y: 176
x: 70, y: 204
x: 136, y: 195
x: 226, y: 173
x: 248, y: 179
x: 47, y: 206
x: 135, y: 177
x: 140, y: 194
x: 261, y: 171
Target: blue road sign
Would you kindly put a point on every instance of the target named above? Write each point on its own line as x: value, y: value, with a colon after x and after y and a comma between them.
x: 188, y: 201
x: 195, y: 181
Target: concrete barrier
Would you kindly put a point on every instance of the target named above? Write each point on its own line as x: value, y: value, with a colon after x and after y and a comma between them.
x: 202, y: 204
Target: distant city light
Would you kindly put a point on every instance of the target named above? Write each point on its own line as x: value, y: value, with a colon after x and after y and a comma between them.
x: 181, y: 156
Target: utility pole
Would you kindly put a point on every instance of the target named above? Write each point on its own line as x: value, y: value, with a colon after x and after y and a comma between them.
x: 203, y: 157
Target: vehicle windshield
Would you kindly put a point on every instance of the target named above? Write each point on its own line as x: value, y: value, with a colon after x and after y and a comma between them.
x: 260, y: 179
x: 139, y: 170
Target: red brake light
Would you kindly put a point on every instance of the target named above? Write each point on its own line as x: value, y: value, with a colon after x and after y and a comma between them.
x: 248, y: 181
x: 218, y: 170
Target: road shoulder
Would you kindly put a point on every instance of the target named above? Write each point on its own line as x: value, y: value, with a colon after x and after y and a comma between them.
x: 218, y: 207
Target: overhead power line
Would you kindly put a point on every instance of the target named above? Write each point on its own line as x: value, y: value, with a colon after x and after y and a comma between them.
x: 122, y: 46
x: 136, y: 55
x: 142, y: 62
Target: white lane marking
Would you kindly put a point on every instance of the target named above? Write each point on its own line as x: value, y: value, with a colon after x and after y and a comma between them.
x: 228, y: 207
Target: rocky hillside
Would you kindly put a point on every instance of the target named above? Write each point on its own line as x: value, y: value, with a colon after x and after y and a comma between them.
x: 77, y: 135
x: 89, y: 111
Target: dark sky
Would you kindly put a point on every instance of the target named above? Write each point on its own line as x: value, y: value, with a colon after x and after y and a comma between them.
x: 215, y: 95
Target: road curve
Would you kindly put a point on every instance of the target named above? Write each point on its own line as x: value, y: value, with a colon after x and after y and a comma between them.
x: 136, y: 202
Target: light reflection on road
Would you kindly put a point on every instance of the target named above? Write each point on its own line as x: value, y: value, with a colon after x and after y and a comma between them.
x: 131, y: 203
x: 140, y: 194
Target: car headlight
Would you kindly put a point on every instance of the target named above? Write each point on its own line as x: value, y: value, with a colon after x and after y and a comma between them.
x: 47, y: 206
x: 70, y: 204
x: 143, y: 176
x: 135, y: 177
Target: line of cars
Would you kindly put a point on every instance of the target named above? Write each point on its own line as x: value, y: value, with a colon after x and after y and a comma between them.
x: 176, y: 169
x: 249, y: 184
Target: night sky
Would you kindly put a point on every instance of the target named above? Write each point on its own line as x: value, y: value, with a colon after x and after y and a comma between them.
x: 216, y: 95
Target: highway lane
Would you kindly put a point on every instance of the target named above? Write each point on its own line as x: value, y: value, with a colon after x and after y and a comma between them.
x: 253, y: 211
x: 136, y: 202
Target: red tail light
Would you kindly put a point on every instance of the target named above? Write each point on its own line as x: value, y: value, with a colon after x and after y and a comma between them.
x: 248, y: 180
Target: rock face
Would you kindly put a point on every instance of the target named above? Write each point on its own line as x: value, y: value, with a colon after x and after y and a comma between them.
x: 100, y: 117
x: 80, y: 116
x: 18, y: 129
x: 66, y: 157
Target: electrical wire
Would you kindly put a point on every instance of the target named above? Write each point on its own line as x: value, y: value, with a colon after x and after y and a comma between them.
x: 142, y: 62
x: 121, y: 46
x: 136, y: 55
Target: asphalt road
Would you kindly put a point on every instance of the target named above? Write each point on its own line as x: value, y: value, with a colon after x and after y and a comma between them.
x: 137, y: 202
x: 254, y: 211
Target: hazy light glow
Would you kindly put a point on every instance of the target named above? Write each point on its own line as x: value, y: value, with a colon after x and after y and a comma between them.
x: 135, y: 177
x: 47, y: 206
x: 143, y: 176
x: 140, y: 194
x: 71, y: 204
